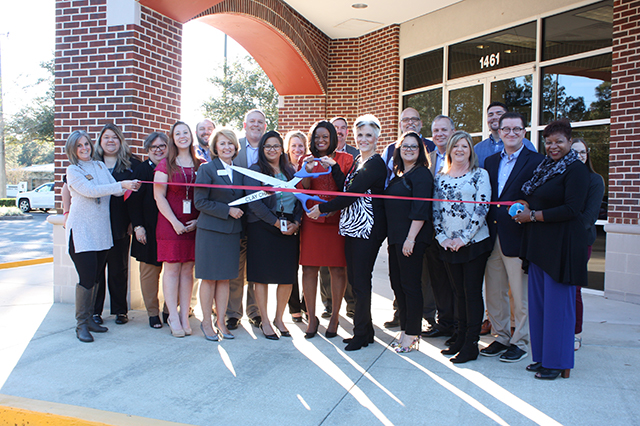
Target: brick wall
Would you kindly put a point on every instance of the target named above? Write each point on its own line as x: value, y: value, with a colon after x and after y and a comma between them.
x: 363, y: 77
x: 624, y: 152
x: 129, y: 75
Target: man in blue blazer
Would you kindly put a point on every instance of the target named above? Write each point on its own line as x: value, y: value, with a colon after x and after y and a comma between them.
x: 255, y: 124
x: 508, y: 171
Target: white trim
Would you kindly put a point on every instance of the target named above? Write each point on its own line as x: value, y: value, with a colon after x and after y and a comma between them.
x: 123, y: 12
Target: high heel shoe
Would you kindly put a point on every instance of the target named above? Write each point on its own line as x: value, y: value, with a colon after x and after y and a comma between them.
x: 552, y: 373
x: 175, y: 332
x: 212, y: 338
x: 415, y: 344
x: 283, y: 333
x: 312, y: 334
x: 466, y: 354
x: 222, y: 334
x: 536, y: 366
x: 273, y: 336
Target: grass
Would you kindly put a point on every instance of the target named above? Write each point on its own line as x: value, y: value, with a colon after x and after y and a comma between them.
x: 10, y: 211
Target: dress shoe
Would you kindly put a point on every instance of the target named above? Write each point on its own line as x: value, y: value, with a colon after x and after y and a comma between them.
x: 256, y: 321
x: 551, y: 373
x: 370, y: 340
x: 312, y: 334
x: 122, y: 319
x: 330, y: 334
x: 97, y: 319
x: 395, y: 322
x: 296, y: 319
x: 494, y: 349
x: 513, y: 354
x: 273, y: 336
x: 96, y: 328
x: 232, y: 323
x: 351, y: 314
x: 82, y: 333
x: 436, y: 332
x: 466, y: 354
x: 536, y: 366
x: 486, y: 328
x: 326, y: 313
x: 212, y: 338
x: 357, y: 343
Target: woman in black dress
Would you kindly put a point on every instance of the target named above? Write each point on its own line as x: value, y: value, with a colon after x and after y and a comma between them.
x: 273, y: 245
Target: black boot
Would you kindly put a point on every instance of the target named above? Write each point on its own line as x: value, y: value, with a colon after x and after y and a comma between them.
x: 84, y: 308
x: 92, y: 325
x: 357, y: 342
x: 457, y: 345
x: 469, y: 351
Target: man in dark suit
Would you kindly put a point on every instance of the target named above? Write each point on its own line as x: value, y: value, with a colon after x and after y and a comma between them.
x: 342, y: 129
x: 508, y: 171
x: 255, y: 124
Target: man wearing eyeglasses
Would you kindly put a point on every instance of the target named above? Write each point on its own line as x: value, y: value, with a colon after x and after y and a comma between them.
x: 508, y: 171
x: 255, y: 124
x: 204, y: 129
x: 493, y: 143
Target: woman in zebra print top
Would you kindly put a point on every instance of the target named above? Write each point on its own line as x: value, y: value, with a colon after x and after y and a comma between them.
x: 362, y: 223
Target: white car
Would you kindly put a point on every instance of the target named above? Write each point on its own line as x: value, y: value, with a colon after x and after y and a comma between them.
x: 43, y: 197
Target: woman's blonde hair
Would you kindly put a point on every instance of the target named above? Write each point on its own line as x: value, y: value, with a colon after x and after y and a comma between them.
x: 227, y: 133
x: 453, y: 140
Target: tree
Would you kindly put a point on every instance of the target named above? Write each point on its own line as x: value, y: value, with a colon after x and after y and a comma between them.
x: 29, y: 133
x: 243, y: 86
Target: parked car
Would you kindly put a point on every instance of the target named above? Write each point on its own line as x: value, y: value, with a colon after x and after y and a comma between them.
x: 43, y: 197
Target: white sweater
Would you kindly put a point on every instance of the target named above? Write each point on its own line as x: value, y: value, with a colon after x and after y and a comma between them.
x: 91, y: 186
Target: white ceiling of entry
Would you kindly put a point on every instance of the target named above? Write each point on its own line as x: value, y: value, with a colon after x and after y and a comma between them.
x: 339, y: 19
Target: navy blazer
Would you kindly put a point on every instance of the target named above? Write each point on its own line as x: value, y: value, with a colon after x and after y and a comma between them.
x: 499, y: 221
x: 213, y: 203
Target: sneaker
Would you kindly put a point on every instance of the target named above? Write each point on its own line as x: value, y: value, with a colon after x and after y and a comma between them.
x: 326, y: 313
x: 513, y: 354
x: 494, y: 349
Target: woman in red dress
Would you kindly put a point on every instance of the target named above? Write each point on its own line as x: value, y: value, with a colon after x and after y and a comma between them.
x: 320, y: 243
x: 176, y: 222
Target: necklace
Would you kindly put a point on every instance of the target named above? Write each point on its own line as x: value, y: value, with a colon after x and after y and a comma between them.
x: 89, y: 176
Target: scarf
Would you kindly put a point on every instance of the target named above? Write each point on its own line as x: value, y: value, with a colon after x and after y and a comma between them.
x: 548, y: 169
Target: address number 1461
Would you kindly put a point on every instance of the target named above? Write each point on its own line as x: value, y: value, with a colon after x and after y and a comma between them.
x: 490, y: 60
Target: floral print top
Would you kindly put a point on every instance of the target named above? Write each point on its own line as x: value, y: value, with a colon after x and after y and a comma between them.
x: 463, y: 220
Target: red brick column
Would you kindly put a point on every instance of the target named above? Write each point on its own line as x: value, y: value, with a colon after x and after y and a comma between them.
x: 624, y: 153
x: 129, y: 75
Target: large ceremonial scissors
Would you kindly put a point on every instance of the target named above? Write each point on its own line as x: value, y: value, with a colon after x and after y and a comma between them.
x: 277, y: 183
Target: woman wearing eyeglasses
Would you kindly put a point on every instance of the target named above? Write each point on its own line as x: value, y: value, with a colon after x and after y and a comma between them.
x: 273, y: 246
x: 588, y: 217
x: 555, y: 246
x: 144, y: 218
x: 409, y: 231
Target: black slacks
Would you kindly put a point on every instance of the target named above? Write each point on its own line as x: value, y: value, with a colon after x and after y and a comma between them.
x: 443, y: 290
x: 467, y: 279
x: 361, y: 257
x: 405, y: 274
x: 118, y: 266
x: 88, y: 264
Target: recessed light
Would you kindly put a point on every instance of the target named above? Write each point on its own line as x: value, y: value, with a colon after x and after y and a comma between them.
x: 359, y: 5
x: 480, y: 46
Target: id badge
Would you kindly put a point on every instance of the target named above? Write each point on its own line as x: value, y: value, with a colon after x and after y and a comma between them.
x: 186, y: 206
x: 283, y: 224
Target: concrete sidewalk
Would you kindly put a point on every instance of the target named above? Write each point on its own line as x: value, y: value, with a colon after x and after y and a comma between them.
x: 136, y: 371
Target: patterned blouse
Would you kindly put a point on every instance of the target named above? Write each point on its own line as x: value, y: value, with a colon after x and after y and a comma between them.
x: 463, y: 220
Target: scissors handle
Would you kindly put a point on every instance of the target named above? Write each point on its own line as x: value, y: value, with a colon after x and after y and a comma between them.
x: 303, y: 173
x: 305, y: 197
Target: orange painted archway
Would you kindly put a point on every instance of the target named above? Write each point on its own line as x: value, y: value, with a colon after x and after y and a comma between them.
x: 279, y: 42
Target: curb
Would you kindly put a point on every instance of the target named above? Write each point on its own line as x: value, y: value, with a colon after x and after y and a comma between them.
x: 29, y: 262
x: 23, y: 411
x: 21, y: 217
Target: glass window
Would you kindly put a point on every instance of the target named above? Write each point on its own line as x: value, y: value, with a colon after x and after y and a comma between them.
x: 494, y: 51
x: 465, y: 108
x: 423, y: 70
x: 579, y: 30
x: 428, y: 104
x: 577, y: 90
x: 516, y: 93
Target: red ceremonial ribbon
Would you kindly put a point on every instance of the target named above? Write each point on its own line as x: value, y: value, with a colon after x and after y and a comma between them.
x: 331, y: 193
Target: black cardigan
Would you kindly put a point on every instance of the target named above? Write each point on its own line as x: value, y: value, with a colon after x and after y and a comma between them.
x: 559, y: 244
x: 144, y: 212
x: 418, y: 182
x: 117, y: 209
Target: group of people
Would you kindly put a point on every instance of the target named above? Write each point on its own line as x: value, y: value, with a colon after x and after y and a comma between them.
x: 448, y: 226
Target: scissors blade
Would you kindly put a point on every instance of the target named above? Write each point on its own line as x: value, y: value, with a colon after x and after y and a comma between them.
x: 249, y: 198
x: 269, y: 180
